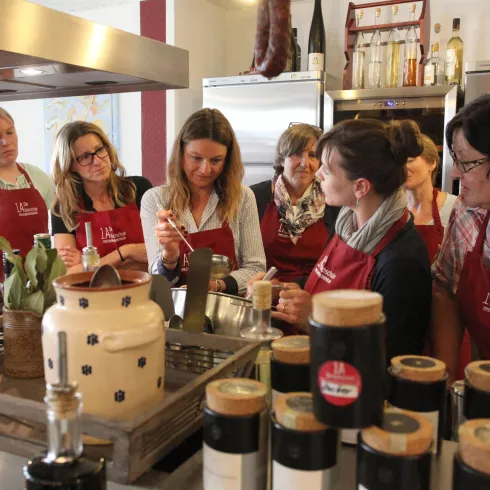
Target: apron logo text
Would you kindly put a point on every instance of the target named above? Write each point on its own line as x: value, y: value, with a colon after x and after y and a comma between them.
x: 23, y: 209
x: 108, y: 235
x: 325, y: 274
x: 486, y: 304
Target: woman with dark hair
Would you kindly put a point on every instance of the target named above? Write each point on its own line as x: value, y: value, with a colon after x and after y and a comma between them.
x: 205, y: 196
x: 294, y: 220
x: 376, y: 245
x: 461, y: 289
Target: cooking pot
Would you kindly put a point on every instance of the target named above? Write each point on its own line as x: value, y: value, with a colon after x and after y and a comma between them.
x: 228, y: 314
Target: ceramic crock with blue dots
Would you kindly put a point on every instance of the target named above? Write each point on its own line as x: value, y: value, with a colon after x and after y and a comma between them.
x: 115, y: 342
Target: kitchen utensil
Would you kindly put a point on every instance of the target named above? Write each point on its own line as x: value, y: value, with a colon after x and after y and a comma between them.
x: 161, y: 294
x: 180, y: 233
x: 105, y: 276
x: 268, y: 276
x: 220, y: 266
x: 197, y: 289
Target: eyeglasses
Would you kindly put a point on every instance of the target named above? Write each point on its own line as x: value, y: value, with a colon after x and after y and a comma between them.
x: 465, y: 167
x: 88, y: 158
x: 291, y: 124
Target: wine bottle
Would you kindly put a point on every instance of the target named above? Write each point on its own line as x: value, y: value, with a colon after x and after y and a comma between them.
x: 375, y: 59
x: 358, y: 57
x: 63, y: 466
x: 393, y: 54
x: 316, y: 41
x: 293, y: 52
x: 298, y: 49
x: 454, y: 57
x: 434, y: 68
x: 411, y: 53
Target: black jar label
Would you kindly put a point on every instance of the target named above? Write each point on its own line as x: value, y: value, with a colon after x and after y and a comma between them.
x: 418, y: 362
x: 340, y: 383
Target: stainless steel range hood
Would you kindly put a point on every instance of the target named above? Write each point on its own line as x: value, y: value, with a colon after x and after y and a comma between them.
x: 47, y: 53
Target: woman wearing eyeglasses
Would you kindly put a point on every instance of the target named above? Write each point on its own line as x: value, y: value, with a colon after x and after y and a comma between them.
x: 461, y: 287
x: 91, y: 187
x: 294, y: 220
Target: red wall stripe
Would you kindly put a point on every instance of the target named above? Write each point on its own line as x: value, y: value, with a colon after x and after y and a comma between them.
x: 153, y: 104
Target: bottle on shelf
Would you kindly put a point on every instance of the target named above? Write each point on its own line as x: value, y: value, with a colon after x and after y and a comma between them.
x: 293, y: 52
x: 316, y: 41
x: 393, y: 54
x: 375, y: 52
x: 358, y: 56
x: 454, y: 57
x: 298, y: 49
x: 90, y: 254
x: 434, y: 68
x: 62, y: 465
x: 411, y: 53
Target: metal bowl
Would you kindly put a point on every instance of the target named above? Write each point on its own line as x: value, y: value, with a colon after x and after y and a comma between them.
x: 228, y: 314
x: 220, y: 266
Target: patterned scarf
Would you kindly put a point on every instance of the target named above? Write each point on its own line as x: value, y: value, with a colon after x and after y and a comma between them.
x: 310, y: 208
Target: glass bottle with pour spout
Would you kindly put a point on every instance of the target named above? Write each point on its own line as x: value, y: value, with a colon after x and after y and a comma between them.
x: 358, y: 57
x: 62, y: 466
x: 90, y: 254
x: 262, y: 331
x: 393, y: 54
x: 375, y: 56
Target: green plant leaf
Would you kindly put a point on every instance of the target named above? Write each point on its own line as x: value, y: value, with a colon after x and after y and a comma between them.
x: 51, y: 255
x: 13, y: 292
x: 34, y: 303
x: 30, y: 266
x: 5, y: 245
x: 41, y: 263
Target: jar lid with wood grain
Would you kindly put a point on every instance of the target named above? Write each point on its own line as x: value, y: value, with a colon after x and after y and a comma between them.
x: 293, y: 349
x: 418, y: 368
x: 478, y: 375
x: 236, y: 396
x: 402, y: 433
x: 347, y: 308
x: 474, y: 444
x: 295, y: 411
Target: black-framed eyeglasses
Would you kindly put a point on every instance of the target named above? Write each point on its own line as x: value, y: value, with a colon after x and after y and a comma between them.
x: 88, y: 158
x: 465, y: 167
x: 291, y: 124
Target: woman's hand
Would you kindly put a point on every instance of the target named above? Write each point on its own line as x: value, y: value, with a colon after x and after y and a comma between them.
x: 134, y: 251
x: 71, y: 255
x: 167, y: 235
x: 217, y: 286
x: 294, y: 305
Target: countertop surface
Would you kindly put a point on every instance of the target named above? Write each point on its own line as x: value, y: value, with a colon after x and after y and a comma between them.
x: 189, y: 475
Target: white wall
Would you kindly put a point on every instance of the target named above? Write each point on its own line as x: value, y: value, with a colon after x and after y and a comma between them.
x: 198, y: 26
x: 29, y: 114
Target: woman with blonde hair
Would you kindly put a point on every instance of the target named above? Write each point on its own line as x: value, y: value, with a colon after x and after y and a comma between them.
x: 204, y: 195
x: 91, y: 186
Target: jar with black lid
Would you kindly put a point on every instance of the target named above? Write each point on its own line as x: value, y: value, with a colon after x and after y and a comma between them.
x: 348, y: 360
x: 476, y: 404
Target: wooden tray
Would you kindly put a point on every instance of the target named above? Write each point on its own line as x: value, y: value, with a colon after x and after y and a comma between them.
x: 192, y: 361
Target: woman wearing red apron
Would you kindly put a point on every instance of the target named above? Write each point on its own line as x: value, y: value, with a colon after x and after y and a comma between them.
x: 204, y: 196
x: 461, y: 291
x: 376, y: 245
x: 431, y: 210
x: 91, y: 187
x: 294, y: 220
x: 26, y: 192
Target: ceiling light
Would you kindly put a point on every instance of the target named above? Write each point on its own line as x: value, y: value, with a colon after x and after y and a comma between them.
x: 31, y: 71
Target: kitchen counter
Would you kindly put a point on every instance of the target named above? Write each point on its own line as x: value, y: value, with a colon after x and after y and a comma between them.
x: 189, y: 475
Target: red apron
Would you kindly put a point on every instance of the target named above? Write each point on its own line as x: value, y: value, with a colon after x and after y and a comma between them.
x: 23, y: 213
x: 432, y: 235
x: 293, y: 261
x: 219, y: 240
x: 473, y: 294
x: 344, y: 267
x: 111, y: 229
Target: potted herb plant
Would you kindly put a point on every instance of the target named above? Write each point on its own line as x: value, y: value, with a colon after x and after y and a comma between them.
x: 27, y: 293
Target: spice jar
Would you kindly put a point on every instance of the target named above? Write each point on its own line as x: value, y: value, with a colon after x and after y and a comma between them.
x: 290, y: 365
x: 396, y: 454
x: 472, y: 461
x: 235, y: 433
x: 348, y: 361
x: 304, y: 451
x: 419, y: 384
x: 477, y: 390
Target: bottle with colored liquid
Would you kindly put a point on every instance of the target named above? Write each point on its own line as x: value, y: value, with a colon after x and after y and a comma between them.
x: 393, y: 54
x: 411, y: 53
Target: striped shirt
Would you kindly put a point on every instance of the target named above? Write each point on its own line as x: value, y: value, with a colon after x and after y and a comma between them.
x: 460, y: 237
x: 249, y: 249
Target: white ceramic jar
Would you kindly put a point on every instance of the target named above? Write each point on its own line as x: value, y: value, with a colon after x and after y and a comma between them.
x: 115, y: 343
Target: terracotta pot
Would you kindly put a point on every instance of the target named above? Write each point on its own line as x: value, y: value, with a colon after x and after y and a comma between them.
x: 23, y: 355
x: 115, y: 343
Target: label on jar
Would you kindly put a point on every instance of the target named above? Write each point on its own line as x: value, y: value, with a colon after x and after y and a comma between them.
x: 430, y: 75
x: 225, y: 471
x: 284, y: 478
x: 451, y: 62
x: 316, y: 62
x: 340, y: 383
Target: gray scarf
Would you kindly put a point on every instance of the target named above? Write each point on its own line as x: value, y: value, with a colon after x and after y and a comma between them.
x: 370, y: 234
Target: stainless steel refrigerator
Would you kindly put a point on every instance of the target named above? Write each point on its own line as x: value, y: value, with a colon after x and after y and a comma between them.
x: 259, y: 110
x: 477, y: 79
